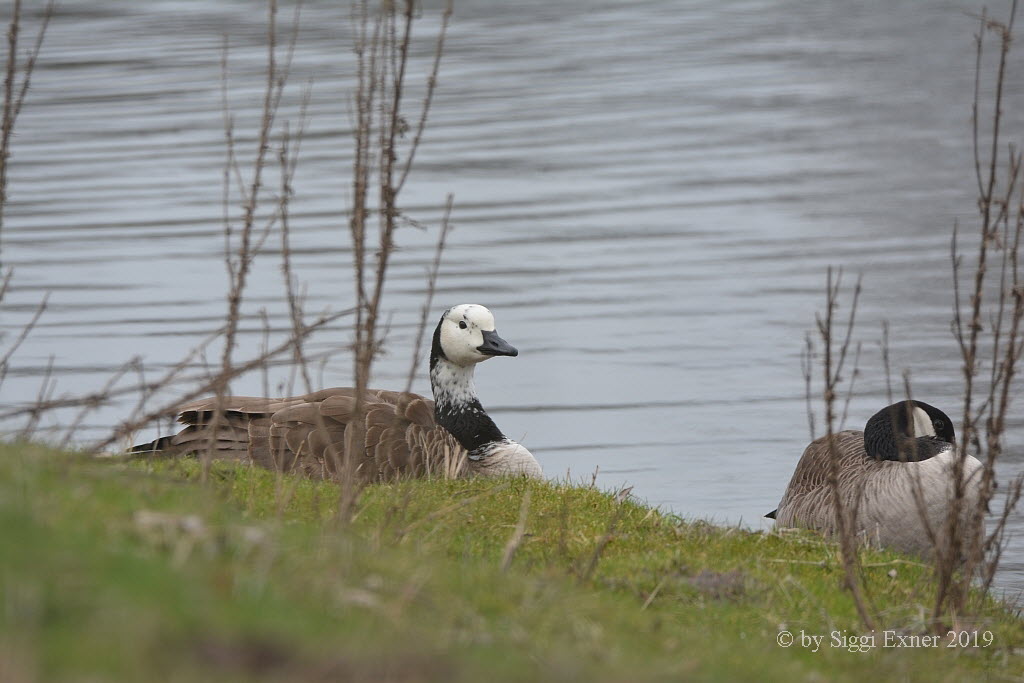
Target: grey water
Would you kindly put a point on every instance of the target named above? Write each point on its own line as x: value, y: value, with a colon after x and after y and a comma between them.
x: 647, y: 195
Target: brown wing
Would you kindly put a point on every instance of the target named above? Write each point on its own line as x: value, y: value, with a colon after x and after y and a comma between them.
x: 808, y: 500
x: 313, y: 432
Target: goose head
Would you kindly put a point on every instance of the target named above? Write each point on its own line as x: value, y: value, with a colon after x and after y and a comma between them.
x: 466, y: 336
x: 908, y: 431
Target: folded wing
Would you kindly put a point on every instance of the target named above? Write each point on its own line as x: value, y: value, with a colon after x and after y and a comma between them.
x: 314, y: 432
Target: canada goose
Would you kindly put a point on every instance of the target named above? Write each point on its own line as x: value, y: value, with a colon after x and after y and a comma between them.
x: 904, y: 444
x: 406, y: 434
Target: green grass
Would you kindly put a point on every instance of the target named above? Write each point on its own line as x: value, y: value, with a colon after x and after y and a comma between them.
x: 140, y: 572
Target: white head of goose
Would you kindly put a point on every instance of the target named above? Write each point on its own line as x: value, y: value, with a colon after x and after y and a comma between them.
x: 405, y: 434
x: 464, y: 337
x: 903, y: 446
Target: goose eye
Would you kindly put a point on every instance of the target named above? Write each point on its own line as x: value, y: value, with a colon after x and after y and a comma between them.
x: 462, y: 325
x: 939, y: 425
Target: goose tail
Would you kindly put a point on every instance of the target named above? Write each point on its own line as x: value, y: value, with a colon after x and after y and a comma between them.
x: 161, y: 444
x: 771, y: 515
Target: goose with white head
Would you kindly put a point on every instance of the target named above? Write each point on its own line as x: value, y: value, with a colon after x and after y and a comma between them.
x: 466, y: 336
x: 404, y: 434
x: 906, y: 446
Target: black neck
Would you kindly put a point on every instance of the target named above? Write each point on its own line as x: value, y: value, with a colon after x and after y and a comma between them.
x: 471, y: 426
x: 436, y: 352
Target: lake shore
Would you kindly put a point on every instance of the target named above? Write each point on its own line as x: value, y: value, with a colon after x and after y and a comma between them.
x: 138, y: 571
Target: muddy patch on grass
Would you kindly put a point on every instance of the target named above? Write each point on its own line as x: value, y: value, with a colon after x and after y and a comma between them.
x: 720, y: 585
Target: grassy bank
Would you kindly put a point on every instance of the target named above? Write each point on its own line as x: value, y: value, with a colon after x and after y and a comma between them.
x: 112, y: 571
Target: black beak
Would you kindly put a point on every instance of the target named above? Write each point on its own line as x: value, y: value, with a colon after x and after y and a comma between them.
x: 496, y: 346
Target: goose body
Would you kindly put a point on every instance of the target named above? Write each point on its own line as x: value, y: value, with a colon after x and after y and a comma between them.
x: 904, y: 447
x: 405, y: 434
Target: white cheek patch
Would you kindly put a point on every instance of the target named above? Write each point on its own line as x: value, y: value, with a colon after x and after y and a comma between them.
x: 922, y: 425
x: 460, y: 345
x: 453, y: 343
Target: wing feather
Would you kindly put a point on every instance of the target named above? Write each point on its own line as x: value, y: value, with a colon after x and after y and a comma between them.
x: 808, y: 501
x: 401, y: 437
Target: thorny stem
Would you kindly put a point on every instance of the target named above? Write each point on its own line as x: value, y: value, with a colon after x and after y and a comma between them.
x: 13, y: 102
x: 252, y: 200
x: 131, y: 426
x: 382, y: 57
x: 238, y: 262
x: 967, y: 546
x: 831, y: 377
x: 288, y: 159
x: 428, y: 302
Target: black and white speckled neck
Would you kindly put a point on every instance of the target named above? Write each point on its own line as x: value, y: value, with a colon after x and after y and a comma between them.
x: 456, y: 406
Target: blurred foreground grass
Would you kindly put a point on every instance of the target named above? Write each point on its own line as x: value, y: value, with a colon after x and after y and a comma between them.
x: 138, y: 572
